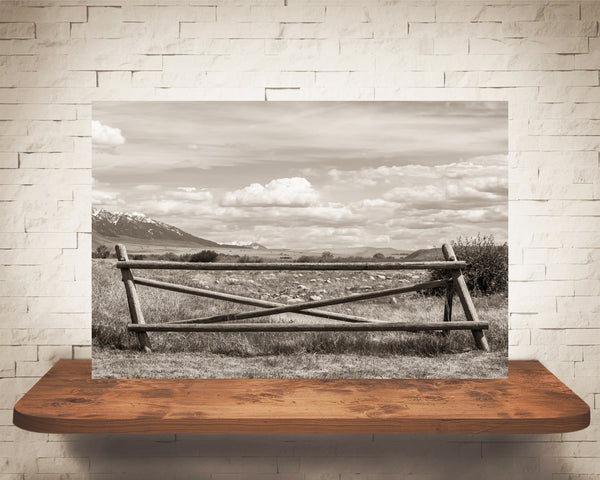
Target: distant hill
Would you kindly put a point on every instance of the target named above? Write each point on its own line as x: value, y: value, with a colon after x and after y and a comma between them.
x: 365, y: 252
x: 109, y: 228
x: 424, y: 255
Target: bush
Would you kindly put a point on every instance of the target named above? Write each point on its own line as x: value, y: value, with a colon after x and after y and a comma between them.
x: 249, y: 259
x: 168, y: 256
x: 101, y: 252
x: 204, y: 256
x: 487, y: 264
x: 307, y: 259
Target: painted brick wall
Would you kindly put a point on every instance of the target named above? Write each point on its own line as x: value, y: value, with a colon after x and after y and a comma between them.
x: 56, y: 57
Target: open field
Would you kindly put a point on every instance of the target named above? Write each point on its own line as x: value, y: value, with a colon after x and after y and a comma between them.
x: 305, y: 355
x: 149, y: 247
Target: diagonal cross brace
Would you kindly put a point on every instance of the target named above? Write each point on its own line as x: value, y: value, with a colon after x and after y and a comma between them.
x: 298, y: 307
x: 244, y: 301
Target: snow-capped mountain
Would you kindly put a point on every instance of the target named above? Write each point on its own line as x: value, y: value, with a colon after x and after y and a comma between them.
x: 115, y: 225
x: 244, y: 244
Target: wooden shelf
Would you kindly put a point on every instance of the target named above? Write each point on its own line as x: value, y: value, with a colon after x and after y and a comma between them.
x: 531, y: 400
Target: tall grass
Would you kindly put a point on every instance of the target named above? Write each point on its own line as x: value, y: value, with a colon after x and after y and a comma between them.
x: 111, y: 315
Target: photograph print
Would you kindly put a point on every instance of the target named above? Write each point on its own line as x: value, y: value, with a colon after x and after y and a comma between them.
x: 300, y: 240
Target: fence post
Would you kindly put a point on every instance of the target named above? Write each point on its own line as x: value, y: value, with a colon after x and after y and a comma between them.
x: 448, y: 304
x: 135, y: 309
x: 465, y: 298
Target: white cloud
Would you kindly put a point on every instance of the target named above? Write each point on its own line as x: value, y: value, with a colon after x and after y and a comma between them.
x: 409, y: 195
x: 102, y: 196
x: 106, y: 135
x: 147, y: 187
x: 281, y: 192
x: 482, y: 166
x: 191, y: 193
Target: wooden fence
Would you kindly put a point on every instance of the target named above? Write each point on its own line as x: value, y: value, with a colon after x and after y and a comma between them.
x: 454, y: 283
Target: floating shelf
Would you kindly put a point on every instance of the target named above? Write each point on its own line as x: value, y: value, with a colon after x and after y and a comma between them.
x: 531, y: 400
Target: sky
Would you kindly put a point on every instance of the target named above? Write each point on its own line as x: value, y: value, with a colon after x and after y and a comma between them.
x: 301, y: 175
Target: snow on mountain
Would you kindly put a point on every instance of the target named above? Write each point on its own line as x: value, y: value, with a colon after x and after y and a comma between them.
x: 244, y: 244
x: 138, y: 226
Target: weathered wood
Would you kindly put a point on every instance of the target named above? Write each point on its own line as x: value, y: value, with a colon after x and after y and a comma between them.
x: 135, y: 309
x: 378, y: 266
x: 465, y: 299
x: 307, y: 327
x: 244, y: 301
x: 449, y: 297
x: 297, y: 307
x: 531, y: 400
x: 448, y: 301
x: 305, y: 308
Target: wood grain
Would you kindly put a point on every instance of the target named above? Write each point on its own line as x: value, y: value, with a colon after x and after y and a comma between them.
x: 531, y: 400
x: 350, y: 266
x: 308, y: 327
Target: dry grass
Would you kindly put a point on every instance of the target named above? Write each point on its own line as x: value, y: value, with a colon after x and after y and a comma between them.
x: 206, y: 365
x: 310, y: 355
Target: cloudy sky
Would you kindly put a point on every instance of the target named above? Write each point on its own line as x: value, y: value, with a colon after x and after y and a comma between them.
x: 405, y: 175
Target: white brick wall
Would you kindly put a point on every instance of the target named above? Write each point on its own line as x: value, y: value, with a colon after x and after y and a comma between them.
x: 56, y: 57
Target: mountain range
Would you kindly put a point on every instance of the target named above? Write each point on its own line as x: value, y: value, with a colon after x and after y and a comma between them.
x: 109, y: 228
x: 141, y: 234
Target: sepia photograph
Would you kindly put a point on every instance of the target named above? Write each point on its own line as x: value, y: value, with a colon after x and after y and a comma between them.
x: 300, y: 240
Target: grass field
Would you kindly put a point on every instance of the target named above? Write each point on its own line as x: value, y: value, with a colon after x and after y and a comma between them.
x: 293, y: 355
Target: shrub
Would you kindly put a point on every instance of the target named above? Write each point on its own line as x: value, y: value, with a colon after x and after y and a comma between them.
x: 168, y: 256
x: 102, y: 251
x: 249, y: 259
x: 204, y: 256
x: 307, y: 259
x: 487, y: 264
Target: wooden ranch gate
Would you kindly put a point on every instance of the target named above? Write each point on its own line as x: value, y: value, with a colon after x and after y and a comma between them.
x: 454, y: 283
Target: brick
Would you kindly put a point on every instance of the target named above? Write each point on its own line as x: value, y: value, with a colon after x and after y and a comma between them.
x: 160, y: 14
x: 328, y: 30
x: 54, y: 353
x: 450, y: 46
x: 527, y: 272
x: 486, y: 13
x: 582, y: 336
x: 519, y: 337
x: 567, y: 28
x: 37, y: 112
x: 287, y: 14
x: 56, y: 32
x: 114, y: 79
x: 540, y: 45
x: 230, y: 30
x: 48, y: 14
x: 9, y: 160
x: 16, y: 30
x: 82, y: 352
x: 442, y: 30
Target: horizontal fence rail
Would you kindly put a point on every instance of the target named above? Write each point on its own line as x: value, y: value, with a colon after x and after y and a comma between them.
x: 308, y: 327
x: 454, y: 284
x: 316, y: 266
